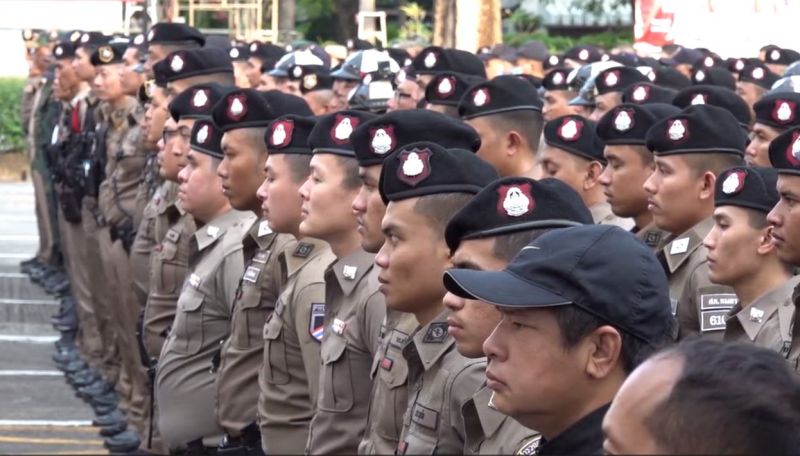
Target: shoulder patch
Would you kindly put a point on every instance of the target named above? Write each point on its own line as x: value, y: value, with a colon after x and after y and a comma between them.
x: 436, y: 334
x: 303, y: 250
x: 529, y: 447
x: 316, y: 321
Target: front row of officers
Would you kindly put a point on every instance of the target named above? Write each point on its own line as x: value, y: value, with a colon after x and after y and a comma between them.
x: 338, y: 284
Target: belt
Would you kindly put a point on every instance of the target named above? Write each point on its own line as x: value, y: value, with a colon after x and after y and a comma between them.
x: 195, y: 448
x: 247, y: 443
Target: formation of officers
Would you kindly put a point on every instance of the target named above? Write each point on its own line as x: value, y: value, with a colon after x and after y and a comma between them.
x: 267, y: 250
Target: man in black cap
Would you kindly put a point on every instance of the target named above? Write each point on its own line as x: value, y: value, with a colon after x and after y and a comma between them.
x: 485, y: 235
x: 445, y: 91
x: 573, y: 153
x: 239, y: 54
x: 531, y: 57
x: 582, y: 54
x: 714, y: 76
x: 263, y: 57
x: 132, y: 72
x: 775, y: 113
x: 562, y: 305
x: 185, y: 379
x: 354, y: 309
x: 433, y: 60
x: 423, y: 185
x: 784, y: 155
x: 407, y: 93
x: 676, y: 401
x: 289, y: 372
x: 716, y: 96
x: 630, y: 163
x: 316, y: 87
x: 742, y: 256
x: 646, y: 93
x: 754, y: 82
x: 777, y: 59
x: 609, y: 85
x: 681, y: 199
x: 557, y: 94
x: 507, y: 114
x: 165, y: 38
x: 374, y: 141
x: 183, y: 69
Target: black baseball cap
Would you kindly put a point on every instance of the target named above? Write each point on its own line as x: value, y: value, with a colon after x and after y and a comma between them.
x: 602, y: 269
x: 514, y: 204
x: 747, y: 187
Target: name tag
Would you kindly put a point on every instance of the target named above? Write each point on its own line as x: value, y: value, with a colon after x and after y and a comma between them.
x: 338, y: 326
x: 712, y: 320
x: 261, y: 256
x: 717, y: 301
x: 251, y: 274
x: 398, y: 338
x: 425, y: 417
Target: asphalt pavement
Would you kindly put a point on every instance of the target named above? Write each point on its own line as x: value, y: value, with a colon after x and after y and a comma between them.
x: 39, y: 412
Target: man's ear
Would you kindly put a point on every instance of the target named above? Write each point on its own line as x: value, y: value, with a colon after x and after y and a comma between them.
x: 514, y: 143
x: 707, y: 182
x: 604, y: 347
x: 593, y: 172
x: 765, y: 245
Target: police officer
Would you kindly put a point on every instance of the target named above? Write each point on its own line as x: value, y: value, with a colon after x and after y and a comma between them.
x: 434, y: 60
x: 165, y: 38
x: 185, y: 382
x: 263, y: 57
x: 507, y: 114
x: 573, y: 153
x: 562, y: 305
x: 354, y: 309
x: 762, y: 282
x: 184, y: 69
x: 446, y: 90
x: 716, y: 96
x: 754, y: 82
x: 243, y: 117
x: 289, y: 371
x: 681, y: 199
x: 774, y: 114
x: 623, y: 130
x: 484, y: 235
x: 423, y: 185
x: 610, y: 84
x: 316, y: 87
x: 784, y: 155
x: 373, y: 141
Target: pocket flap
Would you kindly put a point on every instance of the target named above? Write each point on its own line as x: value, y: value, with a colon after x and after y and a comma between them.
x: 332, y: 349
x: 191, y: 299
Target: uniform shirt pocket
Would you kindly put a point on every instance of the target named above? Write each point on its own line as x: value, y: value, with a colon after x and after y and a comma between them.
x: 276, y: 368
x: 337, y: 394
x: 249, y: 318
x: 189, y: 321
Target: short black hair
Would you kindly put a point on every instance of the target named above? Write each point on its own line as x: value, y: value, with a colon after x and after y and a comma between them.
x: 299, y: 166
x: 507, y: 246
x: 576, y: 323
x: 529, y: 124
x: 730, y: 398
x: 350, y: 167
x: 712, y: 162
x: 440, y: 208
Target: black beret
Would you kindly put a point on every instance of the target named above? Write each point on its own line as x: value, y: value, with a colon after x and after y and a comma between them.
x: 92, y: 40
x: 514, y: 204
x: 401, y: 56
x: 332, y: 133
x: 670, y: 78
x: 778, y: 110
x: 108, y: 54
x: 532, y: 50
x: 685, y: 56
x: 206, y: 138
x: 531, y: 79
x: 311, y: 77
x: 714, y: 76
x: 584, y: 54
x: 759, y: 75
x: 286, y: 103
x: 239, y: 53
x: 784, y: 152
x: 781, y: 56
x: 557, y: 79
x: 289, y: 134
x: 617, y: 79
x: 715, y: 96
x: 197, y: 62
x: 625, y: 124
x: 697, y: 129
x: 243, y: 108
x: 553, y: 61
x: 375, y: 139
x: 64, y: 50
x: 434, y: 59
x: 647, y: 92
x: 160, y: 73
x: 173, y: 33
x: 196, y: 102
x: 662, y: 110
x: 447, y: 88
x: 747, y: 187
x: 502, y: 94
x: 426, y: 168
x: 576, y: 135
x: 266, y: 51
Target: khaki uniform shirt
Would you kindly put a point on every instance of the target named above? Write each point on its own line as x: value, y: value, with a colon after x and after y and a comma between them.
x: 652, y: 236
x: 767, y: 321
x: 389, y: 399
x: 126, y: 159
x: 490, y: 432
x: 793, y: 357
x: 173, y: 230
x: 242, y: 352
x: 353, y: 317
x: 440, y: 380
x: 144, y: 244
x: 602, y: 215
x: 184, y: 384
x: 702, y: 306
x: 290, y: 367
